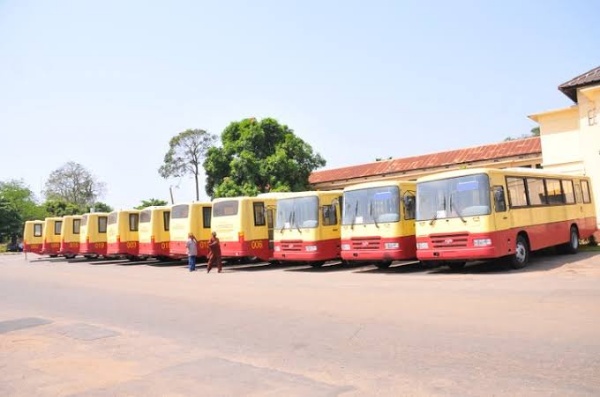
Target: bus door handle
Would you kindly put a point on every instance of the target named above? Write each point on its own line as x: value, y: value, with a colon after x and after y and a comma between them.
x: 505, y: 217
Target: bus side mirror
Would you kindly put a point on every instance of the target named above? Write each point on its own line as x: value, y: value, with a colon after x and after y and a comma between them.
x: 499, y: 201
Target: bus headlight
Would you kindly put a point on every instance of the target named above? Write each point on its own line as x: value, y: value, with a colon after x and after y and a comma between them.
x: 391, y: 246
x: 277, y: 248
x: 423, y: 246
x: 311, y: 248
x: 345, y: 247
x: 482, y: 242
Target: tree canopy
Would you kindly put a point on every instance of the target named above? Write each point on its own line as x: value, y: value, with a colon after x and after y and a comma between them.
x: 258, y: 157
x: 73, y: 183
x: 150, y: 203
x: 186, y: 152
x: 18, y: 205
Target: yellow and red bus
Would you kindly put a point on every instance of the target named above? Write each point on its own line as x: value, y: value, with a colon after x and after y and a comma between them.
x: 190, y: 218
x: 154, y: 232
x: 92, y: 236
x: 307, y: 227
x: 70, y: 231
x: 476, y: 214
x: 122, y: 236
x: 51, y: 236
x: 378, y: 222
x: 33, y: 236
x: 244, y: 226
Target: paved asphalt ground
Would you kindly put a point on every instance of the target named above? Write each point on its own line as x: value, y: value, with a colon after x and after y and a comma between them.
x: 114, y: 328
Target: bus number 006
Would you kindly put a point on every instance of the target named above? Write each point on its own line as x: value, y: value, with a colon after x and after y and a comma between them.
x: 256, y: 245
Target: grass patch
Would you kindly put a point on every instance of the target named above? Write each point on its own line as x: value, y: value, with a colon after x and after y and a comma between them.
x: 3, y: 247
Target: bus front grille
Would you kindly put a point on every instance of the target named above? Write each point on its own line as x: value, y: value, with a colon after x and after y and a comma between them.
x: 291, y: 245
x: 450, y: 240
x: 365, y: 243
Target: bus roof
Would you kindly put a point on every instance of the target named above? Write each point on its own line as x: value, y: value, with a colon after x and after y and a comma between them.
x: 391, y: 182
x: 72, y: 217
x: 513, y: 171
x: 311, y: 193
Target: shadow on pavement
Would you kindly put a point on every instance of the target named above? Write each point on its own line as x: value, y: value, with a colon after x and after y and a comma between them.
x: 330, y: 267
x: 252, y: 267
x: 401, y: 268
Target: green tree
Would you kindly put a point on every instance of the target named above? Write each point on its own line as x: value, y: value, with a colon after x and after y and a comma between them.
x: 99, y: 206
x: 186, y: 152
x: 150, y: 203
x: 257, y: 157
x: 73, y: 183
x: 535, y: 131
x: 21, y: 196
x: 58, y: 207
x: 11, y: 223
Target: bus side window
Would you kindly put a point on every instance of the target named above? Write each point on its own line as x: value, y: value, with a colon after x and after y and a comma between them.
x: 329, y: 215
x: 586, y: 192
x: 499, y: 200
x: 102, y: 222
x: 133, y: 222
x: 578, y: 193
x: 259, y: 214
x: 206, y: 217
x: 37, y: 230
x: 167, y: 220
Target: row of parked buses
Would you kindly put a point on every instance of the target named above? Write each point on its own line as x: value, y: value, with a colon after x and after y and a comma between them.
x: 443, y: 219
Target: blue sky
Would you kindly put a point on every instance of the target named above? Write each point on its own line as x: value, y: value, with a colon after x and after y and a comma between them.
x: 107, y: 83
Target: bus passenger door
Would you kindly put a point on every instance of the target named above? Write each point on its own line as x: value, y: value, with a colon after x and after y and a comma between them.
x: 270, y: 227
x: 501, y: 219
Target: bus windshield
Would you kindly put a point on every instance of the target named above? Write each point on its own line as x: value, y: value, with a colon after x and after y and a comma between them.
x: 453, y: 197
x: 371, y: 205
x: 225, y: 208
x: 180, y: 211
x: 297, y: 212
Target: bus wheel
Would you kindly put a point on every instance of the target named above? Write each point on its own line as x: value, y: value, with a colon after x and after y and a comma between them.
x: 521, y: 256
x: 53, y: 256
x: 573, y: 245
x: 71, y: 256
x: 456, y: 266
x: 383, y: 264
x: 317, y: 264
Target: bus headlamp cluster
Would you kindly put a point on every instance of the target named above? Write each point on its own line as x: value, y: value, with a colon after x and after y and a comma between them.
x: 277, y: 248
x: 422, y: 246
x: 311, y: 248
x: 345, y: 247
x: 391, y: 246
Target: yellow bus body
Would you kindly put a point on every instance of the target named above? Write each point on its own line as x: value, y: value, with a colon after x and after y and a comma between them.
x: 482, y: 213
x: 378, y: 222
x: 51, y: 236
x: 33, y: 236
x: 122, y: 236
x: 92, y: 236
x: 307, y: 227
x: 188, y: 218
x: 244, y: 226
x: 154, y: 231
x: 71, y: 229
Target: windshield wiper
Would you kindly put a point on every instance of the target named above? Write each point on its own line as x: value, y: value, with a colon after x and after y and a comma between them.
x: 371, y: 214
x: 354, y: 217
x: 433, y: 219
x: 456, y: 209
x: 297, y: 226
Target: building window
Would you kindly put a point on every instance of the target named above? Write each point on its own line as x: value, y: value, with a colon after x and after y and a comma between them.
x: 592, y: 116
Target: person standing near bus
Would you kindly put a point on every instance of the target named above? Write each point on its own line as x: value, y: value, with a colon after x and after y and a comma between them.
x: 214, y: 256
x: 192, y: 251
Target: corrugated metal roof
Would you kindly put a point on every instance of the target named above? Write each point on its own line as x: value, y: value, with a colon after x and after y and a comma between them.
x: 570, y: 87
x: 494, y: 151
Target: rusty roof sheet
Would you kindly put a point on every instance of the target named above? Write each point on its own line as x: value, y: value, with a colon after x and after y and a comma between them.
x: 588, y: 78
x: 467, y: 155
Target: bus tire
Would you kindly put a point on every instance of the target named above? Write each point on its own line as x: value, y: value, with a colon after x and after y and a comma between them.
x: 429, y: 264
x: 70, y: 256
x: 521, y: 256
x: 383, y: 264
x: 53, y: 256
x: 573, y: 245
x: 456, y: 266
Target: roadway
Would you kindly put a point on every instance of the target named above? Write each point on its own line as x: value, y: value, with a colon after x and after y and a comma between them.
x: 98, y: 328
